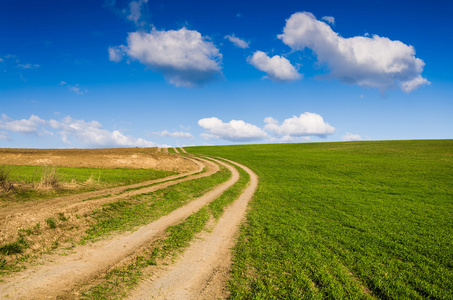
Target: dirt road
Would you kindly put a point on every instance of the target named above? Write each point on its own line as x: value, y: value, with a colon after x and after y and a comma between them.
x: 203, y: 269
x: 60, y: 275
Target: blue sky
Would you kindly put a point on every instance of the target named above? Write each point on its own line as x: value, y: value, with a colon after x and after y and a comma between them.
x: 155, y: 73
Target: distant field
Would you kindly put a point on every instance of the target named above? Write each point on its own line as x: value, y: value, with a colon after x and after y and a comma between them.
x: 358, y: 220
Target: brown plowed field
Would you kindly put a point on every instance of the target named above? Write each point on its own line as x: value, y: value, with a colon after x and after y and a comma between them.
x: 133, y: 158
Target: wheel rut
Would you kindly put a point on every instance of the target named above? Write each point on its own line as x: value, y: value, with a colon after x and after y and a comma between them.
x: 203, y: 269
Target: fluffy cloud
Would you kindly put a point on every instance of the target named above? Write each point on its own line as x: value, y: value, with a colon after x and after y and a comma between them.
x: 237, y: 41
x: 305, y: 125
x: 277, y: 68
x: 71, y: 131
x: 376, y: 62
x: 295, y: 129
x: 176, y: 134
x: 235, y: 130
x: 329, y: 19
x: 351, y: 137
x: 183, y: 56
x: 30, y: 125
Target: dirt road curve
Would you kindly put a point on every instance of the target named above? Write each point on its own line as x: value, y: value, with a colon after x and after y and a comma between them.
x: 183, y: 150
x: 59, y: 275
x: 176, y: 150
x: 203, y: 269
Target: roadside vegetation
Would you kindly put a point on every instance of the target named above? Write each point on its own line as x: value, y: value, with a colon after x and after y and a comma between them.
x: 360, y: 220
x: 21, y: 183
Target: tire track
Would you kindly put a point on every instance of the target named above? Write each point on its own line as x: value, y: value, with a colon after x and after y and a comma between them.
x: 203, y: 269
x: 63, y: 274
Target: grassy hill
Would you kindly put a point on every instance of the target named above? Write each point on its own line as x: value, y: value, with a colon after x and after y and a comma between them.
x: 359, y: 220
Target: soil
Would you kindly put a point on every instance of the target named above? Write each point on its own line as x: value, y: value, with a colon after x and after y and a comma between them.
x: 133, y: 158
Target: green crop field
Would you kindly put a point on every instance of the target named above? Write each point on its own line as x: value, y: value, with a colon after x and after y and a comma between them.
x: 361, y: 220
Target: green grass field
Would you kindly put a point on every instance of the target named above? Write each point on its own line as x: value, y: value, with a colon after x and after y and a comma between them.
x: 358, y: 220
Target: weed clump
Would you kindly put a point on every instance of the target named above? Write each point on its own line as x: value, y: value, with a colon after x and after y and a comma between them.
x: 49, y: 178
x: 11, y: 248
x: 52, y: 223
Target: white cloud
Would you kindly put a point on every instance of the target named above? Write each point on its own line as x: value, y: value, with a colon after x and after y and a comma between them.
x: 71, y: 131
x: 376, y: 62
x: 30, y: 125
x: 74, y: 88
x: 183, y: 56
x: 329, y: 19
x: 176, y: 134
x: 351, y: 137
x: 235, y: 130
x: 305, y: 125
x: 277, y: 68
x: 237, y: 41
x: 91, y: 134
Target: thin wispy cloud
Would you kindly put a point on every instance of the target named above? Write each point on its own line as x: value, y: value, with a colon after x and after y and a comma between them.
x: 329, y: 19
x: 175, y: 134
x: 74, y: 88
x: 237, y: 41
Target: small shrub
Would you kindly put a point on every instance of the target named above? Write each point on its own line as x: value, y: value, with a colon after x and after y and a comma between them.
x: 52, y: 223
